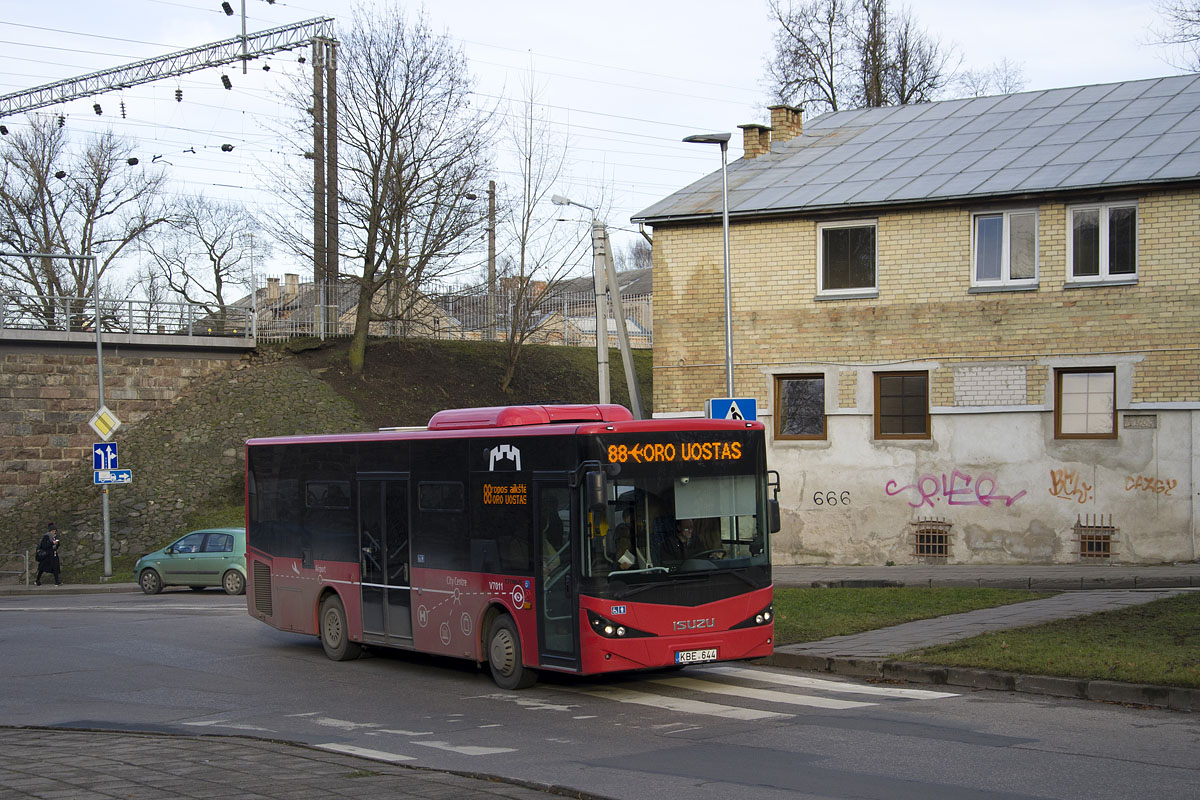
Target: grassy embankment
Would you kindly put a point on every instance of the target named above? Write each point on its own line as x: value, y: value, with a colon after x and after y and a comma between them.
x: 1156, y: 643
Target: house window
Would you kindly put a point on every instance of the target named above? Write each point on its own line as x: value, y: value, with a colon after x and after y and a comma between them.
x: 1005, y: 249
x: 1085, y: 403
x: 901, y: 405
x: 846, y: 253
x: 800, y: 407
x: 1102, y: 243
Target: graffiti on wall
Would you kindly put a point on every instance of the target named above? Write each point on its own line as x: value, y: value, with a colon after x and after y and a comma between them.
x: 1145, y: 483
x: 956, y: 489
x: 1067, y: 484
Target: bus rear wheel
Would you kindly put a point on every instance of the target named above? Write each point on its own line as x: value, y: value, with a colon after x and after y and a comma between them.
x: 335, y: 633
x: 504, y: 656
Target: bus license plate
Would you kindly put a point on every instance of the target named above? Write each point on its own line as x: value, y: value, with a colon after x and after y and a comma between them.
x: 695, y: 656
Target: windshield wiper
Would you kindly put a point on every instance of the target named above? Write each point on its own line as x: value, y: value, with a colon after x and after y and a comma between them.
x: 647, y: 570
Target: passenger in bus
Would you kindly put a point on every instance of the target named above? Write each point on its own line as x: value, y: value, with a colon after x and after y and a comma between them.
x: 625, y: 537
x: 682, y: 545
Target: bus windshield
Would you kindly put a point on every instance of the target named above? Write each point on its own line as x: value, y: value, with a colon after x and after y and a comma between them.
x: 668, y: 524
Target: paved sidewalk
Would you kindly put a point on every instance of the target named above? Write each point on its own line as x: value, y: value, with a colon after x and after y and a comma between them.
x: 98, y: 765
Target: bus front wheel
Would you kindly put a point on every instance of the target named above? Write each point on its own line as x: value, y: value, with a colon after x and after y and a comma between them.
x: 504, y: 656
x: 334, y: 632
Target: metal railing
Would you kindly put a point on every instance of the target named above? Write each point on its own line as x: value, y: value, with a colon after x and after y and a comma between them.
x: 77, y: 314
x: 10, y: 560
x: 565, y: 319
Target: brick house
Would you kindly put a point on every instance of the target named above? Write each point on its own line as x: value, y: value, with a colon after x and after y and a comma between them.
x: 972, y: 326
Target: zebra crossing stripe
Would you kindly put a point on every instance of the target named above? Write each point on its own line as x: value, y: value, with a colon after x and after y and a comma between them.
x: 802, y: 682
x: 364, y: 752
x: 681, y: 704
x: 766, y: 695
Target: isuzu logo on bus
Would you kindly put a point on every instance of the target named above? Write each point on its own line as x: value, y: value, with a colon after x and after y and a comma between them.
x: 694, y: 624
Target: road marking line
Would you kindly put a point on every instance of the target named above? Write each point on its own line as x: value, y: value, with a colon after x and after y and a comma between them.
x: 220, y: 723
x: 363, y: 752
x: 802, y: 682
x: 680, y: 704
x: 467, y: 750
x: 766, y: 695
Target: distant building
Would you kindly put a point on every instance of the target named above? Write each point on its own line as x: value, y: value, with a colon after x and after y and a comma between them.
x: 972, y: 326
x: 567, y: 314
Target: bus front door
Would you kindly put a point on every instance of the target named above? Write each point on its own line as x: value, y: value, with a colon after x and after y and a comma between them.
x: 383, y: 554
x: 557, y: 627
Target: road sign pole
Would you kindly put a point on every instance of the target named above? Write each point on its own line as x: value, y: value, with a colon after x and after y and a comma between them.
x: 100, y: 388
x: 107, y: 550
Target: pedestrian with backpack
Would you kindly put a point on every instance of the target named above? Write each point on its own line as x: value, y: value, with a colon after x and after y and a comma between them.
x: 47, y: 556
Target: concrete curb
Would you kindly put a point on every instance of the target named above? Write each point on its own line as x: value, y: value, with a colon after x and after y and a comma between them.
x: 1168, y: 697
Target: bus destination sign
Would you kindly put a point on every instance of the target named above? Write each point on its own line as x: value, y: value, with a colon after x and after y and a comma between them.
x: 666, y: 452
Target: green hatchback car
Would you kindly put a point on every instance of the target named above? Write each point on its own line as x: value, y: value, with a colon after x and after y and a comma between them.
x: 211, y: 557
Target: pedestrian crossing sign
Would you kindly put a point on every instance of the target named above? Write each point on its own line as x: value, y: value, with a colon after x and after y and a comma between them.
x: 733, y: 408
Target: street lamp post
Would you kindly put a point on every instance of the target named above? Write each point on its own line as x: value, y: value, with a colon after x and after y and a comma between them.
x: 601, y: 306
x: 723, y: 140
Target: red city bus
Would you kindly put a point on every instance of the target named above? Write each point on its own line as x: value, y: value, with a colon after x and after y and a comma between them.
x: 566, y: 538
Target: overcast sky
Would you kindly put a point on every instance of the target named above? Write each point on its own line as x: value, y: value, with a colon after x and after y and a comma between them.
x: 622, y: 81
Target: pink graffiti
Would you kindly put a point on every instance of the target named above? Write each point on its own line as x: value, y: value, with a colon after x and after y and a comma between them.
x: 958, y: 489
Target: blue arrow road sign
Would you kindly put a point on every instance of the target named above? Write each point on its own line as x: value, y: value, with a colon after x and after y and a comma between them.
x: 106, y: 476
x: 104, y: 455
x: 733, y: 408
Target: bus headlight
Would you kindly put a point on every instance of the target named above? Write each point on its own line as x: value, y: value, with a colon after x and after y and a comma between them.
x: 612, y: 630
x: 764, y: 617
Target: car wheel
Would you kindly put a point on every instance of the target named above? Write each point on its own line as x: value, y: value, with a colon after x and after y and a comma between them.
x: 335, y: 633
x: 150, y: 581
x: 504, y: 656
x: 233, y: 582
x: 197, y: 588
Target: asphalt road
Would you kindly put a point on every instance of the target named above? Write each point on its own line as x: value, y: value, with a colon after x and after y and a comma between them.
x: 197, y: 663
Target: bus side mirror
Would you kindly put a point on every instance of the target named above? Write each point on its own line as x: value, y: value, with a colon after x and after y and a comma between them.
x: 773, y: 524
x: 597, y: 491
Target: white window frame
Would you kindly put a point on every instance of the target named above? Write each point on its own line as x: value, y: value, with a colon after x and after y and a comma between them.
x: 860, y: 291
x: 1006, y: 280
x: 1103, y: 211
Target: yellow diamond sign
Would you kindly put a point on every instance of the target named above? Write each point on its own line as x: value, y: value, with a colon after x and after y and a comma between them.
x: 104, y: 423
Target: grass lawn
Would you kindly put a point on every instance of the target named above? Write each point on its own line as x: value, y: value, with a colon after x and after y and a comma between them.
x: 808, y: 615
x: 1156, y: 643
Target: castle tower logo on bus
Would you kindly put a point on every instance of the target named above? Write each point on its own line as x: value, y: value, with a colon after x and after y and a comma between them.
x: 659, y: 452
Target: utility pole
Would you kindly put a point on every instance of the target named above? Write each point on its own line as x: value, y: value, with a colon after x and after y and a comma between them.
x: 325, y: 183
x: 491, y: 309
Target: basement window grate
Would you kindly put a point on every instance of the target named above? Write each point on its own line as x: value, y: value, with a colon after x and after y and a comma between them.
x: 931, y: 541
x: 1096, y: 536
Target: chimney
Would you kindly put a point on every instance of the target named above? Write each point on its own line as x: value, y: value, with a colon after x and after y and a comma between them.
x: 756, y: 140
x: 291, y: 285
x: 786, y: 122
x: 272, y: 290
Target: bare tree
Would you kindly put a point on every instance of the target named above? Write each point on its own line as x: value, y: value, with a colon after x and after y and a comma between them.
x: 1181, y: 29
x: 1003, y: 77
x: 410, y: 149
x: 635, y: 255
x: 814, y: 51
x: 832, y: 54
x: 541, y: 255
x: 203, y: 252
x: 95, y: 200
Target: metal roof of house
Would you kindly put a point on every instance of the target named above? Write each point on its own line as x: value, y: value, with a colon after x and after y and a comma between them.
x: 1104, y: 136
